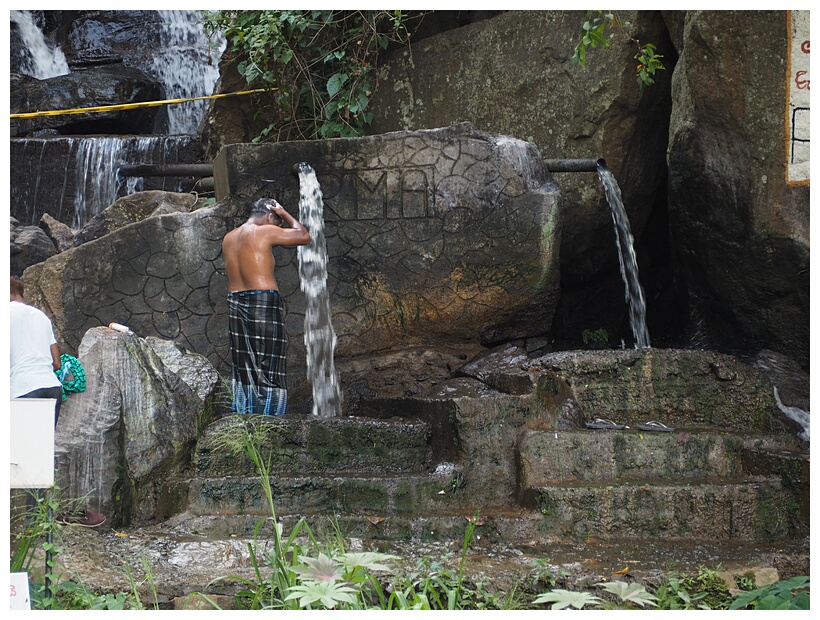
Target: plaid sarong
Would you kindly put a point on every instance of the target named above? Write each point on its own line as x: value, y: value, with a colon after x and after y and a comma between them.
x: 259, y: 347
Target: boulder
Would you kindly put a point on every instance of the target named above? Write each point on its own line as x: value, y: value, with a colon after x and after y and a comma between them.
x: 61, y: 235
x: 99, y: 86
x: 160, y: 276
x: 134, y: 208
x: 134, y: 425
x: 29, y: 246
x: 444, y: 235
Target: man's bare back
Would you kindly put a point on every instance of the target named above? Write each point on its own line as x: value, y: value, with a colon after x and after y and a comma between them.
x: 247, y: 250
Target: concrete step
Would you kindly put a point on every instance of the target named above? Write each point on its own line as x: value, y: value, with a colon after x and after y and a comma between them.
x: 758, y: 509
x: 753, y: 509
x: 316, y: 446
x: 315, y: 495
x: 608, y: 456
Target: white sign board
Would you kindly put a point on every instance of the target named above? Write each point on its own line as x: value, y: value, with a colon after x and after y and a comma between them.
x: 798, y: 127
x: 32, y: 443
x: 20, y: 596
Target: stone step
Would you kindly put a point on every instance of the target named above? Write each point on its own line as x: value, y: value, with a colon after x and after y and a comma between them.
x: 311, y: 494
x: 609, y: 456
x: 315, y: 445
x: 761, y: 509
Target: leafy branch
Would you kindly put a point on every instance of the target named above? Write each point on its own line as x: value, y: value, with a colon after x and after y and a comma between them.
x: 596, y: 32
x: 321, y: 65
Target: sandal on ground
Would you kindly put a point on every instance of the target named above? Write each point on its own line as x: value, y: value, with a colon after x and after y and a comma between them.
x: 655, y: 426
x: 603, y: 423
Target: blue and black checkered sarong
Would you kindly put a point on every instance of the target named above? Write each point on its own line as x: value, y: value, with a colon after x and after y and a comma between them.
x: 259, y: 347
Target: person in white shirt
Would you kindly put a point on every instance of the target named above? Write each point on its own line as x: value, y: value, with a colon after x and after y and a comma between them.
x: 35, y: 355
x: 35, y: 358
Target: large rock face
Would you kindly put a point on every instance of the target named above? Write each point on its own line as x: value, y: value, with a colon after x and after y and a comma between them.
x: 512, y: 75
x: 740, y: 226
x: 135, y: 423
x: 447, y: 235
x: 160, y: 276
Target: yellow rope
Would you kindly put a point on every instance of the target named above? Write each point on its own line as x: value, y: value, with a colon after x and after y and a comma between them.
x: 131, y: 106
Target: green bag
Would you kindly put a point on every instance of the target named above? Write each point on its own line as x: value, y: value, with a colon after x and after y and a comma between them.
x: 70, y: 374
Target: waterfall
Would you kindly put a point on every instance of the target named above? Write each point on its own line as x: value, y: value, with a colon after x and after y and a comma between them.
x: 626, y: 257
x: 97, y: 161
x: 74, y: 178
x: 188, y: 66
x: 320, y: 339
x: 43, y: 61
x: 797, y: 414
x: 85, y: 182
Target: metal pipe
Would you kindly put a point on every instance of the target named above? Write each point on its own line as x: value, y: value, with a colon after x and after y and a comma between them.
x: 166, y: 170
x: 572, y: 165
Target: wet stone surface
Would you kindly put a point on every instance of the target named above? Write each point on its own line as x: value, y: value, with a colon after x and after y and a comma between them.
x: 174, y: 564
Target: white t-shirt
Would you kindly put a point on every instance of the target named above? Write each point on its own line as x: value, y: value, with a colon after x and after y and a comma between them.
x: 31, y: 338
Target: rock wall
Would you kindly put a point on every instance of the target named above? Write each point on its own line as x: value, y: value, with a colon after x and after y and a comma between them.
x: 723, y: 249
x: 445, y: 235
x: 740, y: 225
x: 512, y: 74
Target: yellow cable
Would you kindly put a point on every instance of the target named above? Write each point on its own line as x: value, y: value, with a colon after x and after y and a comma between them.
x: 131, y: 106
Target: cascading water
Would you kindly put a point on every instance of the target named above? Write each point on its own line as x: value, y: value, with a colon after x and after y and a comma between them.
x: 320, y: 338
x: 43, y: 61
x: 626, y: 257
x: 188, y: 66
x: 97, y: 185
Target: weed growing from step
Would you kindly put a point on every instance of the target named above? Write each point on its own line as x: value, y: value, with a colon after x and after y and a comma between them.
x: 299, y: 578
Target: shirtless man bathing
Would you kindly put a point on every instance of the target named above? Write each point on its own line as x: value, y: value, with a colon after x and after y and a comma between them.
x: 256, y: 313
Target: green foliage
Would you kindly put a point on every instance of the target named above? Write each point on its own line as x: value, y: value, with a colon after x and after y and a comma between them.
x: 648, y: 63
x: 342, y: 581
x: 594, y: 35
x: 628, y: 594
x: 789, y: 594
x: 672, y: 595
x: 598, y: 339
x: 431, y: 585
x: 711, y: 584
x: 321, y: 65
x: 77, y: 596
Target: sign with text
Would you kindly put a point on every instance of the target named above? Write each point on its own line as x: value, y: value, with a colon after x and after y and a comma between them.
x: 20, y: 597
x: 797, y: 113
x: 32, y: 443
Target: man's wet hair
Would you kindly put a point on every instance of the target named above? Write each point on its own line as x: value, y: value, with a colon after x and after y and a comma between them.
x: 261, y: 207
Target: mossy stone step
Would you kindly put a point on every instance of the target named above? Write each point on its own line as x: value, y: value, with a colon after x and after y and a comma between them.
x: 611, y: 456
x: 316, y: 445
x: 756, y: 509
x: 315, y: 494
